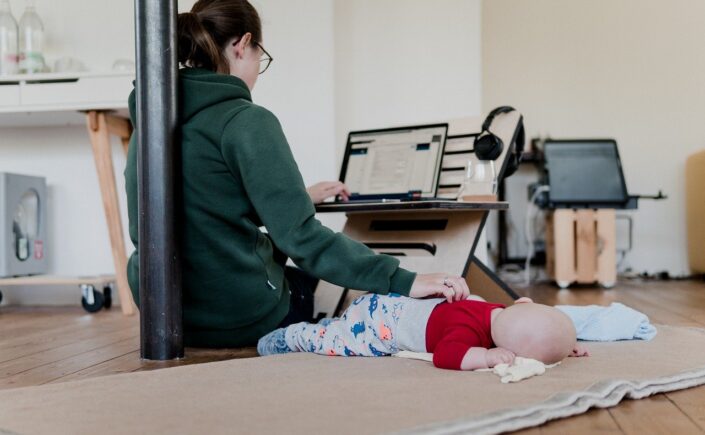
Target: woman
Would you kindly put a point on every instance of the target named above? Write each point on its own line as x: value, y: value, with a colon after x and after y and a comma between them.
x: 238, y: 174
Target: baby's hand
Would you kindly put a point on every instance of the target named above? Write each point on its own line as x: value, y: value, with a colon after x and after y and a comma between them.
x: 580, y: 350
x: 498, y: 355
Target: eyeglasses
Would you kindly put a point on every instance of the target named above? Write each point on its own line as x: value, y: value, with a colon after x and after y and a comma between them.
x: 264, y: 61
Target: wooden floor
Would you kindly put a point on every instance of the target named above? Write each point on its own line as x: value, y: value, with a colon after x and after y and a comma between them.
x: 47, y: 345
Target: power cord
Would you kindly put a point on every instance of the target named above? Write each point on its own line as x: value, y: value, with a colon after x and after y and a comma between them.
x: 528, y: 231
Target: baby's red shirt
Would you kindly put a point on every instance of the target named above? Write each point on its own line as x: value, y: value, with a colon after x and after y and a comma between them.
x: 454, y: 328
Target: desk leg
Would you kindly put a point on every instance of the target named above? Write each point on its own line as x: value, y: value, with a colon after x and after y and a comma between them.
x: 606, y: 247
x: 100, y: 140
x: 424, y: 242
x: 120, y: 127
x: 483, y: 282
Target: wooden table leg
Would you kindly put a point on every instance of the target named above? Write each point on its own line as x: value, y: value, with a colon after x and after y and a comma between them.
x: 563, y: 241
x: 586, y: 246
x: 100, y: 140
x: 606, y: 247
x: 120, y: 127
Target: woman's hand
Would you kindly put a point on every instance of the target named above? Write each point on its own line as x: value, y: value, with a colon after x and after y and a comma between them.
x: 453, y: 288
x: 319, y: 192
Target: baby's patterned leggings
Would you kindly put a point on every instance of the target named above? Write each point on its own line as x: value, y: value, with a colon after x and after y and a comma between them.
x: 367, y: 328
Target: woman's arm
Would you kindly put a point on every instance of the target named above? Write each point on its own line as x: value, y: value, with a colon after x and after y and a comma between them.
x: 255, y: 148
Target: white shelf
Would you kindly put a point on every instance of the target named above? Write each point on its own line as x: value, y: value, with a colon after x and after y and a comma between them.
x: 95, y: 280
x: 44, y: 77
x: 49, y: 99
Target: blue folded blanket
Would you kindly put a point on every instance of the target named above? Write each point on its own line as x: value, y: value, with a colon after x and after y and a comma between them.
x: 616, y: 322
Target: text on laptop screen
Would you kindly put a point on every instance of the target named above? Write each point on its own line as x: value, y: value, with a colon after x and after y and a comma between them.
x: 394, y: 161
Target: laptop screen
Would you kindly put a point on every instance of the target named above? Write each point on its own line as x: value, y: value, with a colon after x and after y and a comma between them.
x: 584, y: 172
x: 394, y: 163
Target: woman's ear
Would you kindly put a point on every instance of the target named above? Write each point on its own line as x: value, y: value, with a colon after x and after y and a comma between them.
x: 240, y: 45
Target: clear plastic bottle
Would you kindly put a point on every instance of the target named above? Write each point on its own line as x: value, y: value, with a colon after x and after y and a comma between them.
x: 31, y: 41
x: 8, y: 40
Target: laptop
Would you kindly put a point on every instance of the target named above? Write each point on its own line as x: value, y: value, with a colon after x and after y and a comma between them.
x: 394, y: 164
x: 584, y: 173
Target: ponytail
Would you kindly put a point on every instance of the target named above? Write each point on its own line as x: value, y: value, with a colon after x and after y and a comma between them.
x: 196, y: 46
x: 211, y: 24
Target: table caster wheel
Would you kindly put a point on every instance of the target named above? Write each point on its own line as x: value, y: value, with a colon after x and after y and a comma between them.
x: 563, y: 284
x: 607, y: 285
x: 91, y: 299
x: 108, y: 296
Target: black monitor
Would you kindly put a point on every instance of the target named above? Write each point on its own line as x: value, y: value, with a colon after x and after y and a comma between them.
x: 584, y: 173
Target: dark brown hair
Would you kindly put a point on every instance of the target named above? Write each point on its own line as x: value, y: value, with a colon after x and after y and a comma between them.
x: 211, y: 24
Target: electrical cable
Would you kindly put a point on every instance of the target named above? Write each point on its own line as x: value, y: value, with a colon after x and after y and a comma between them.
x: 528, y: 232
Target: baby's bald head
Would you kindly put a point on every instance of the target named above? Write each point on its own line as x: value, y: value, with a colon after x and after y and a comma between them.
x: 534, y: 331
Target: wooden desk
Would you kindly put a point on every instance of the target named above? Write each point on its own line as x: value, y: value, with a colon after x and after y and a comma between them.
x: 432, y: 236
x: 427, y: 237
x: 97, y: 100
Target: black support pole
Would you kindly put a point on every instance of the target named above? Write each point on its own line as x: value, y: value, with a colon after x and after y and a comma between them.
x: 157, y: 165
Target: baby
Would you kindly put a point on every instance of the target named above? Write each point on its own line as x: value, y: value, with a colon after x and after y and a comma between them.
x: 463, y: 335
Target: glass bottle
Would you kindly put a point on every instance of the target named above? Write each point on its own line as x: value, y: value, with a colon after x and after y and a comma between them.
x: 31, y: 41
x: 8, y: 40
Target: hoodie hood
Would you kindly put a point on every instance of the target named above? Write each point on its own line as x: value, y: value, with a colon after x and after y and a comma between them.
x: 199, y: 89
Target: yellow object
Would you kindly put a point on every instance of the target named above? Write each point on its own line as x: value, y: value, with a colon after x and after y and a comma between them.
x: 695, y: 210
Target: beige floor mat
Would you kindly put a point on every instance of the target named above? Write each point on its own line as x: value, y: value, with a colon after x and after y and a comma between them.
x: 305, y: 393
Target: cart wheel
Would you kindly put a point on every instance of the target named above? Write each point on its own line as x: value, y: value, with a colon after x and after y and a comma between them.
x: 91, y: 299
x: 607, y: 285
x: 108, y: 296
x: 563, y: 284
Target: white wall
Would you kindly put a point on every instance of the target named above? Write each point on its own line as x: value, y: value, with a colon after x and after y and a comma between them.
x: 95, y: 32
x: 629, y: 69
x: 298, y: 88
x: 404, y: 62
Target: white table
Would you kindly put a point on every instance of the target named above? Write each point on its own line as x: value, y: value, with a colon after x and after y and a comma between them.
x: 98, y: 100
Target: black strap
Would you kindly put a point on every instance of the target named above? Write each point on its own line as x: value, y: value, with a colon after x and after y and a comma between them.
x: 490, y: 117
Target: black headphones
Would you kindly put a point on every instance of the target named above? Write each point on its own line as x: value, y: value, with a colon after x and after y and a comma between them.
x: 488, y: 146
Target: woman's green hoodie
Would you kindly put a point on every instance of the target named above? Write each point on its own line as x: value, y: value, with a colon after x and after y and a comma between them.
x: 237, y: 174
